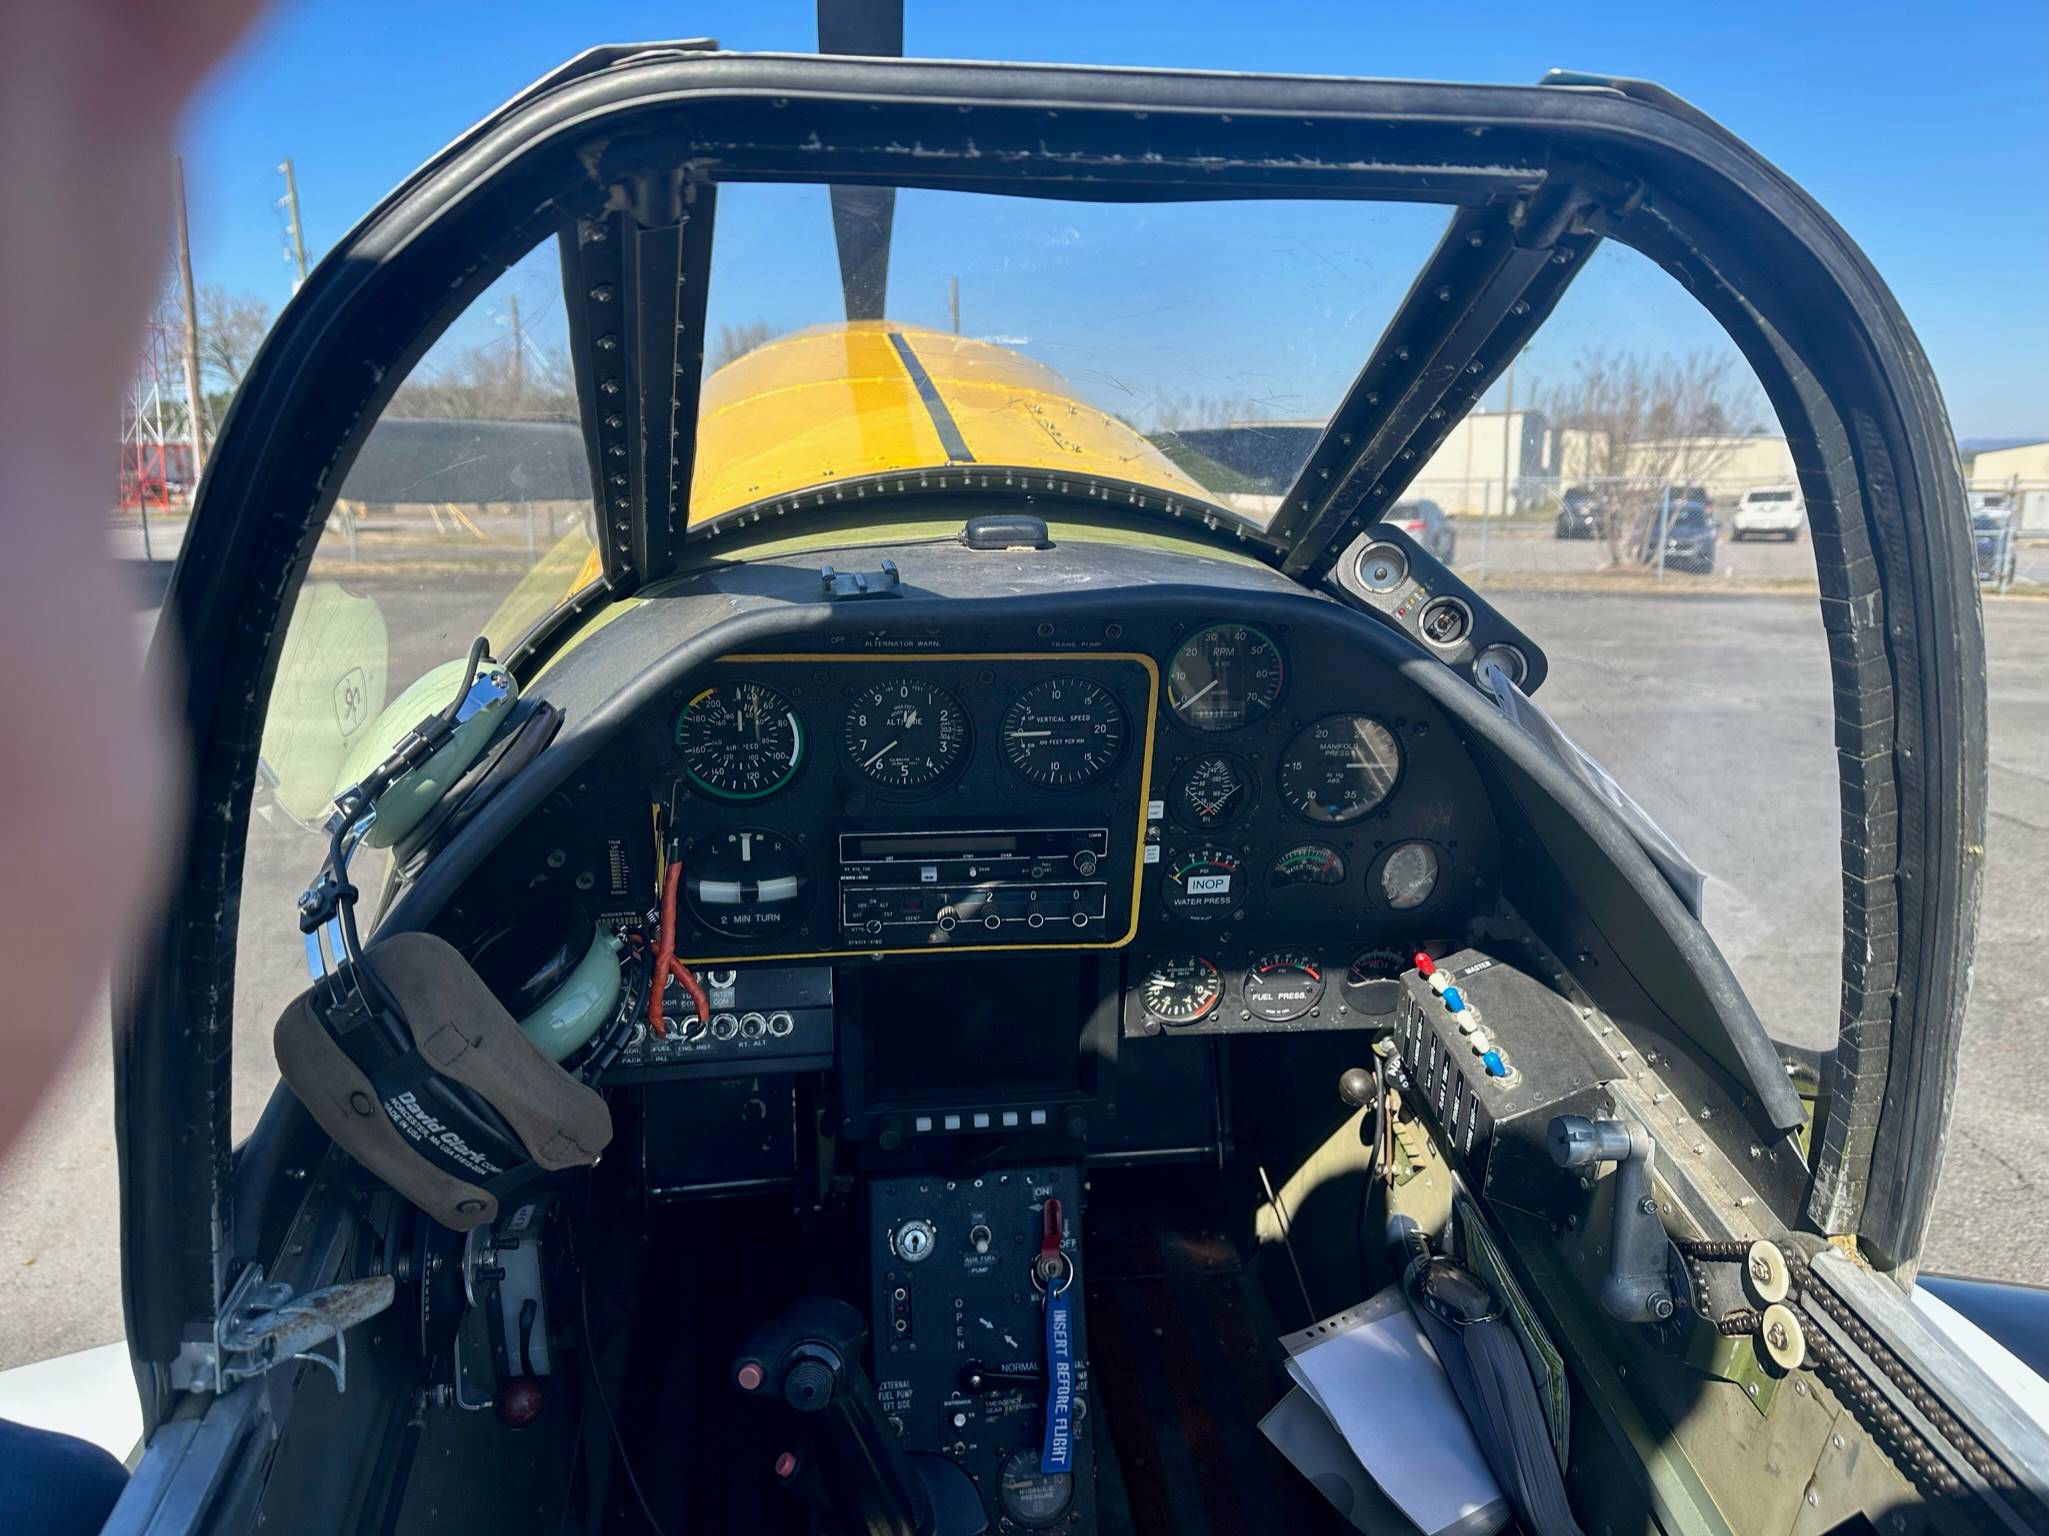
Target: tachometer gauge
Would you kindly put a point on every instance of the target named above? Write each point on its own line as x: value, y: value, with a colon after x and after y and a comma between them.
x: 1063, y: 733
x: 1211, y: 790
x: 1340, y: 768
x: 1281, y: 988
x: 1183, y: 990
x: 1306, y: 864
x: 906, y: 734
x: 740, y: 741
x: 1203, y: 884
x: 1408, y: 875
x: 1224, y: 677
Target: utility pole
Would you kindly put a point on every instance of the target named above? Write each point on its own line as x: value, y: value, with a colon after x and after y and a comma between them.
x: 518, y: 351
x: 292, y: 213
x: 1507, y: 445
x: 193, y: 398
x: 953, y: 301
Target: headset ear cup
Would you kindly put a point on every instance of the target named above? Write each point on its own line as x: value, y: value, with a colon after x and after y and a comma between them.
x: 340, y: 1097
x: 464, y: 1032
x: 466, y: 1092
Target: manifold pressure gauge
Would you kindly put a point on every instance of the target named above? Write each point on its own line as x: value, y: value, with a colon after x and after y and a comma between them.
x: 1183, y: 990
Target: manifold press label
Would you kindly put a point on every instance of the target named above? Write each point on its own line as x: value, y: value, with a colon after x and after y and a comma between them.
x: 1057, y: 1452
x: 415, y: 1123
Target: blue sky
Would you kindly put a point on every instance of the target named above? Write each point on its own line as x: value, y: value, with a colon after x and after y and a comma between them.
x: 1920, y: 128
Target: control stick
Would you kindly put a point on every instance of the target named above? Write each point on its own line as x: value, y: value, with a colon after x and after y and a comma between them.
x: 810, y: 1357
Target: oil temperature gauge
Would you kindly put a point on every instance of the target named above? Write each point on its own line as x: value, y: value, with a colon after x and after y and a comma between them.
x: 1183, y: 990
x: 1282, y: 987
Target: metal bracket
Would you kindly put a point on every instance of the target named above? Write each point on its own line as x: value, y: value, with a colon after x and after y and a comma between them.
x: 262, y: 1325
x: 847, y: 586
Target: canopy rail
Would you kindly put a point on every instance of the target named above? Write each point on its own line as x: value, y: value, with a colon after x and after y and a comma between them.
x: 1494, y: 278
x: 635, y: 281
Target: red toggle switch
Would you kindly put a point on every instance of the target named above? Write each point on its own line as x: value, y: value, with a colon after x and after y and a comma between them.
x: 1424, y: 964
x: 1050, y: 1269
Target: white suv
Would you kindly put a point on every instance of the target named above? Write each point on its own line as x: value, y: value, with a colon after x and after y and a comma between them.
x: 1773, y: 510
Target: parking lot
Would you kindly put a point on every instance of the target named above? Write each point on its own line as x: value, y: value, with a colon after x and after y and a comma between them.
x: 1706, y: 696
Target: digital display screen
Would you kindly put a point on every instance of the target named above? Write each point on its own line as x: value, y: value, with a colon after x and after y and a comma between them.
x: 934, y: 846
x: 983, y: 1029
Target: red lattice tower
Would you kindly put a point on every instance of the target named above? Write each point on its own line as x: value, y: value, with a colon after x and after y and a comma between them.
x: 156, y: 433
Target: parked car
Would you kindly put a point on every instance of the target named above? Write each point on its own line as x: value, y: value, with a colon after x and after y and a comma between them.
x: 1690, y: 537
x: 1674, y: 497
x: 1425, y: 522
x: 1583, y: 513
x: 1992, y: 533
x: 1768, y: 511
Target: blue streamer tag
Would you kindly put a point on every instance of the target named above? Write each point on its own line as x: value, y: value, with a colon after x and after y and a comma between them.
x: 1057, y: 1453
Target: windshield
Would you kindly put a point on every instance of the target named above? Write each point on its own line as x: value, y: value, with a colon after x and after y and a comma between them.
x: 1193, y: 348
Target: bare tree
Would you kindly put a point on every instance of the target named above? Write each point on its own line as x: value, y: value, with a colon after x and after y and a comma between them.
x: 487, y: 383
x: 231, y: 327
x: 1639, y: 424
x: 738, y: 340
x: 1183, y: 413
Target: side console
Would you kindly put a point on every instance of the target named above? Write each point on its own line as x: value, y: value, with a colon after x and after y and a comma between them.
x: 1492, y: 1055
x: 968, y: 1363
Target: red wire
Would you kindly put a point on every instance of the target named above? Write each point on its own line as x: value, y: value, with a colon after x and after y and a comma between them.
x: 666, y: 963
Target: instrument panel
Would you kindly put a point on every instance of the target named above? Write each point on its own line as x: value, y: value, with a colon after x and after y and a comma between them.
x: 1246, y: 808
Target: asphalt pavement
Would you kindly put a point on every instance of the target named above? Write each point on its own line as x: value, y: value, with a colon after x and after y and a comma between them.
x: 1711, y: 708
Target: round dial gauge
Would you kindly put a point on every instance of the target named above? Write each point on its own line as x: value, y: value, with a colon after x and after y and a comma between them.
x: 1373, y: 981
x: 1031, y: 1497
x: 906, y: 733
x: 1408, y: 875
x: 1064, y: 732
x: 1306, y: 864
x: 1203, y: 884
x: 1211, y: 790
x: 1281, y: 988
x: 1340, y: 768
x: 740, y: 741
x: 1183, y: 990
x: 746, y: 884
x: 1224, y: 677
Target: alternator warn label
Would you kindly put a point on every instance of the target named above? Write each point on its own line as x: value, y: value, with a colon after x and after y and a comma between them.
x: 416, y: 1124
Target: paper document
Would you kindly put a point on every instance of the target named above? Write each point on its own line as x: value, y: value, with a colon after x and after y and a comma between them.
x: 1373, y: 1373
x: 1300, y: 1432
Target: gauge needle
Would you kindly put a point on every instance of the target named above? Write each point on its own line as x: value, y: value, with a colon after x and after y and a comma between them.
x: 878, y: 757
x: 1021, y: 735
x: 1213, y: 682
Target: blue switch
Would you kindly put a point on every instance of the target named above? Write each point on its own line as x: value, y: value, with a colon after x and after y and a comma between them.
x: 1454, y: 999
x: 1495, y: 1066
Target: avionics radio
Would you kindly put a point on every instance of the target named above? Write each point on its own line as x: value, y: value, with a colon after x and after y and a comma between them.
x: 982, y: 887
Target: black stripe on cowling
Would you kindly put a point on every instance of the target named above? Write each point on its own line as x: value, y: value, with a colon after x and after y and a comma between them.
x: 943, y: 423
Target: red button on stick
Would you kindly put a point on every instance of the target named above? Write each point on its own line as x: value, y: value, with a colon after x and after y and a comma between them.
x: 786, y: 1465
x: 751, y: 1377
x: 1424, y: 964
